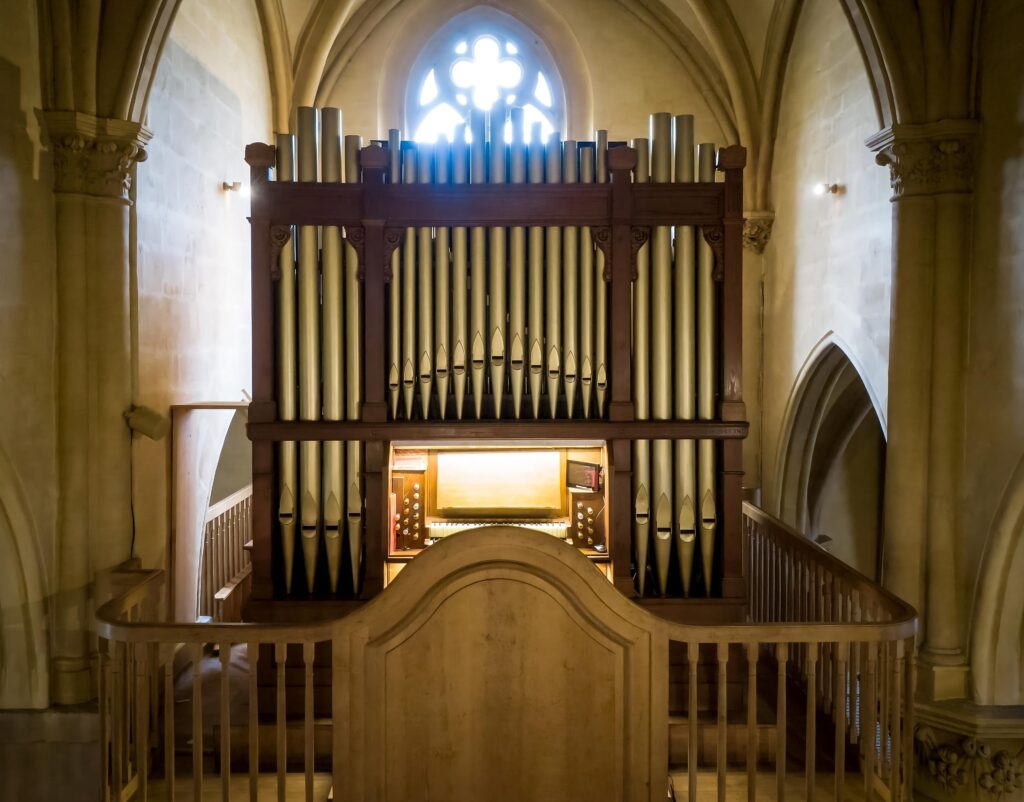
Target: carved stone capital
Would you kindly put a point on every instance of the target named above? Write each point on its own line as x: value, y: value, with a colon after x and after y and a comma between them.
x: 92, y: 155
x: 757, y: 230
x: 930, y: 159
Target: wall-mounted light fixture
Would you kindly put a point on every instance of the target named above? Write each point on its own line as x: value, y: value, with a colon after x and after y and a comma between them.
x: 231, y: 186
x: 147, y: 421
x: 825, y: 188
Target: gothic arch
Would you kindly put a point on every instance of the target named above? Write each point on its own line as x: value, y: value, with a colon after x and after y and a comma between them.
x: 24, y: 659
x: 829, y: 407
x: 997, y: 632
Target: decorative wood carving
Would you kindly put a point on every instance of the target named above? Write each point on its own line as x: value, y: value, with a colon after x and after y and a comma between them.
x: 494, y: 632
x: 639, y: 235
x: 603, y: 239
x: 714, y: 236
x: 392, y: 239
x: 356, y: 237
x: 279, y: 236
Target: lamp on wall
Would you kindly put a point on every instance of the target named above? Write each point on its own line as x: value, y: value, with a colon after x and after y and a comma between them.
x: 147, y: 421
x: 825, y: 188
x: 235, y: 186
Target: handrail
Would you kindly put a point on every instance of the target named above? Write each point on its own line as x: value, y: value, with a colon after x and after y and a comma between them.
x: 228, y: 502
x: 900, y: 610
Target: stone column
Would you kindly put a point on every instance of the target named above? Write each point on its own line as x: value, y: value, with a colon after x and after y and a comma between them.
x: 931, y: 167
x: 93, y: 160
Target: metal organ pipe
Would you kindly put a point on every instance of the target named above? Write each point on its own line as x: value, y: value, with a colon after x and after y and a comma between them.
x: 685, y: 362
x: 408, y: 284
x: 497, y: 269
x: 601, y: 290
x: 309, y: 349
x: 517, y: 271
x: 460, y: 287
x: 442, y: 284
x: 332, y: 280
x: 425, y: 290
x: 478, y: 267
x: 586, y: 289
x: 706, y: 378
x: 661, y: 354
x: 553, y: 282
x: 353, y: 380
x: 535, y: 280
x: 287, y: 378
x: 395, y: 288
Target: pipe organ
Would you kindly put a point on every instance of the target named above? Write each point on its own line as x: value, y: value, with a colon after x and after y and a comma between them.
x: 450, y: 335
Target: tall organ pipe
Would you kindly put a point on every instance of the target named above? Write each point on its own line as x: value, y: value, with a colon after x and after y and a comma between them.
x: 409, y: 292
x: 425, y: 290
x: 553, y: 282
x: 287, y: 378
x: 460, y: 290
x: 601, y: 290
x: 641, y: 386
x: 353, y: 380
x: 706, y: 378
x: 442, y: 284
x: 570, y: 286
x: 685, y: 362
x: 478, y: 267
x: 333, y: 367
x: 497, y: 270
x: 535, y: 280
x: 309, y: 349
x: 395, y: 288
x: 517, y: 271
x: 587, y: 290
x: 661, y: 354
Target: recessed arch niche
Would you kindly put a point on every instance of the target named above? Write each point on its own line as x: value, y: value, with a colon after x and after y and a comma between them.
x: 831, y: 463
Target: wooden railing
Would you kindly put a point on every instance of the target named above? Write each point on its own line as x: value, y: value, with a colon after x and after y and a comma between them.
x: 225, y: 561
x: 831, y: 645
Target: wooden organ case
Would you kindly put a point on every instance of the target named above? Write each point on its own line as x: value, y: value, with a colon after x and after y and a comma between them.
x: 546, y: 334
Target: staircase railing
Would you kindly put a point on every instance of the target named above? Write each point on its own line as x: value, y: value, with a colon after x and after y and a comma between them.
x: 818, y: 631
x: 225, y: 562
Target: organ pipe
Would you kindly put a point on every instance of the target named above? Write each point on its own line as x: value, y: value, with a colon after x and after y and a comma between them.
x: 395, y: 293
x: 408, y: 286
x: 309, y: 349
x: 497, y: 270
x: 517, y: 271
x: 425, y: 290
x: 460, y: 287
x: 661, y: 354
x: 706, y: 378
x: 353, y: 380
x: 601, y: 292
x: 685, y: 362
x: 478, y: 267
x: 287, y: 378
x: 332, y: 280
x: 535, y: 280
x: 553, y: 281
x: 442, y: 285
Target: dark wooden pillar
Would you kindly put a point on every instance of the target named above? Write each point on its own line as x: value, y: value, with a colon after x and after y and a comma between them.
x: 263, y: 408
x: 731, y: 161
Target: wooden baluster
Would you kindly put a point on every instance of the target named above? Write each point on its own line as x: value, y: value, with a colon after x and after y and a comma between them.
x: 782, y: 655
x: 142, y: 722
x: 811, y: 726
x: 154, y: 684
x: 868, y: 743
x: 752, y: 649
x: 169, y: 722
x: 197, y: 721
x: 723, y: 725
x: 693, y: 659
x: 253, y: 650
x: 908, y: 719
x: 281, y: 655
x: 895, y: 784
x: 883, y: 712
x: 856, y: 691
x: 225, y: 721
x: 307, y: 657
x: 841, y: 696
x: 117, y: 714
x: 103, y: 669
x: 826, y: 648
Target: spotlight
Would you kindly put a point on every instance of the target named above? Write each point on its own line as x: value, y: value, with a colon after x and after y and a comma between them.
x: 825, y: 188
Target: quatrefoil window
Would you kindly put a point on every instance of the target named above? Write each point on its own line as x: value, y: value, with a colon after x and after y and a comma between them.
x: 487, y: 62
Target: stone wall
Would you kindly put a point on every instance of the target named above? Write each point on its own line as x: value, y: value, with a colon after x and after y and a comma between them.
x: 210, y: 98
x: 827, y: 265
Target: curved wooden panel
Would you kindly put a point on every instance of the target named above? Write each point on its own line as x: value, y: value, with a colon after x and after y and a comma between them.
x: 500, y: 665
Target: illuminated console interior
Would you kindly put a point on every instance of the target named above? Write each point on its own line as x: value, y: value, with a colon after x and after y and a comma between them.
x: 557, y: 490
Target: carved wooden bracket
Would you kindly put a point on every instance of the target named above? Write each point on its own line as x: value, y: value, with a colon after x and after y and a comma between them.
x: 279, y: 236
x: 392, y: 239
x: 356, y: 237
x: 638, y: 237
x: 714, y: 236
x: 603, y: 239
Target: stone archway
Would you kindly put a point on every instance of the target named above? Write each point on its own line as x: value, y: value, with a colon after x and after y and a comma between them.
x: 831, y: 462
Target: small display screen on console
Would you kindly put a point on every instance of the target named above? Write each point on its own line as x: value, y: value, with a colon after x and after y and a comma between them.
x: 583, y: 476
